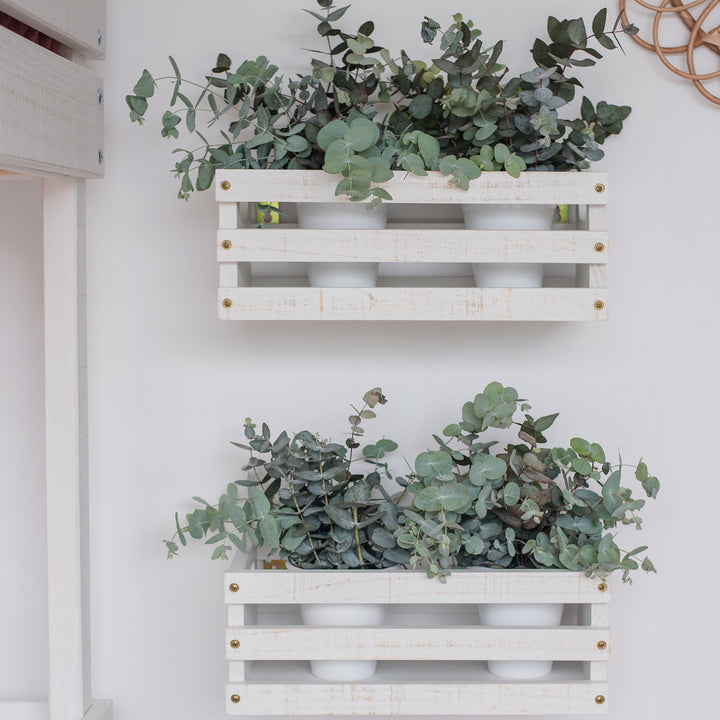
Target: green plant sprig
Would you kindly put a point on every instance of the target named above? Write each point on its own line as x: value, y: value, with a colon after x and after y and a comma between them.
x: 476, y: 506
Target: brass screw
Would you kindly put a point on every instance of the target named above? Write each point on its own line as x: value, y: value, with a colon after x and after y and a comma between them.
x: 226, y: 244
x: 600, y: 646
x: 225, y: 185
x: 602, y: 587
x: 236, y: 698
x: 599, y: 247
x: 599, y: 699
x: 227, y: 302
x: 599, y: 188
x: 236, y: 643
x: 599, y: 305
x: 234, y: 587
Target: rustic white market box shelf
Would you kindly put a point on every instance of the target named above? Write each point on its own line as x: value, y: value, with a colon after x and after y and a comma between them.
x: 583, y: 245
x: 432, y: 648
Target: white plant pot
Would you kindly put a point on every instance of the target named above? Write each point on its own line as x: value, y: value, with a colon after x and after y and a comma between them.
x: 343, y: 616
x: 508, y: 217
x: 520, y: 615
x: 341, y: 216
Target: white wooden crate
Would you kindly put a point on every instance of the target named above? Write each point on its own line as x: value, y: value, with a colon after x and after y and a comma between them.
x: 431, y: 648
x: 584, y: 244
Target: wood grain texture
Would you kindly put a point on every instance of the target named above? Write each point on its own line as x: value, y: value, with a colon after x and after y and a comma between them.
x: 66, y: 447
x: 404, y: 586
x: 74, y: 23
x: 52, y: 122
x: 402, y: 245
x: 410, y: 643
x: 417, y: 699
x: 537, y: 304
x: 490, y: 187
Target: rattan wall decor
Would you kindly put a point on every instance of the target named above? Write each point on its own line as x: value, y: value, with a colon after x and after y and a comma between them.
x: 699, y: 37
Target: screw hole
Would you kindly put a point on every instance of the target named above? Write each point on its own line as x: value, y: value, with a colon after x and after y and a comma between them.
x: 599, y: 188
x: 599, y: 305
x: 225, y: 185
x: 599, y: 699
x: 234, y: 587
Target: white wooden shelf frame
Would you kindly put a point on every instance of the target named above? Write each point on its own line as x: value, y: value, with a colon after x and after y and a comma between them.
x: 52, y: 127
x: 431, y: 648
x: 586, y: 246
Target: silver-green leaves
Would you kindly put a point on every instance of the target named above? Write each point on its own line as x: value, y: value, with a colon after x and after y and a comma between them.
x: 521, y: 505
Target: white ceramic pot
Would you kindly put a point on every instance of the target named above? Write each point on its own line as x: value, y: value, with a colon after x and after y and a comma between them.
x: 341, y: 216
x: 343, y: 616
x: 508, y: 217
x: 520, y: 615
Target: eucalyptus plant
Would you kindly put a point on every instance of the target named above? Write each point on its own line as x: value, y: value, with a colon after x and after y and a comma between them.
x: 306, y: 501
x: 522, y: 505
x: 363, y: 112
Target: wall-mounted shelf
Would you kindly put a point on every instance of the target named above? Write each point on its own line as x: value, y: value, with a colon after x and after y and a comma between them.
x: 582, y: 245
x: 431, y: 648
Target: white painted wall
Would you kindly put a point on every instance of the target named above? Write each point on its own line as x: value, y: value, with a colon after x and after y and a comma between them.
x: 23, y: 621
x: 170, y: 385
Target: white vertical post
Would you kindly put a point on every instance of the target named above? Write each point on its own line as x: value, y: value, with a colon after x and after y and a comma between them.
x: 66, y: 447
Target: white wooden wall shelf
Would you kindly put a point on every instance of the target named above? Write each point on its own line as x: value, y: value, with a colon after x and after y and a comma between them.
x: 51, y: 126
x: 584, y: 244
x: 431, y: 648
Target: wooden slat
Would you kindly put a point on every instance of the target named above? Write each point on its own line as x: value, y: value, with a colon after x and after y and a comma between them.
x: 404, y: 586
x: 401, y: 245
x: 278, y: 303
x: 490, y: 187
x: 65, y: 448
x: 417, y: 699
x: 421, y: 643
x: 79, y: 24
x: 51, y: 120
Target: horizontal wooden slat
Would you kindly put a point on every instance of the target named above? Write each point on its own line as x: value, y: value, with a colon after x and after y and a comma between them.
x: 51, y: 119
x: 75, y: 23
x: 401, y: 245
x: 407, y: 643
x: 411, y: 303
x: 404, y: 586
x: 416, y: 699
x: 490, y: 187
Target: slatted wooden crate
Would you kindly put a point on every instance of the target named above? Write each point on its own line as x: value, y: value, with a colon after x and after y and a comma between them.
x: 431, y: 648
x: 584, y: 244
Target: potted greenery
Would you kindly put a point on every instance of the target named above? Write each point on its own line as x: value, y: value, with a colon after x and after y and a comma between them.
x: 476, y: 504
x: 308, y: 503
x: 460, y: 116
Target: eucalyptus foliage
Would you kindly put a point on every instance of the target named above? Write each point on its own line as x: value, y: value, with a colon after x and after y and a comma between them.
x: 475, y: 503
x: 306, y: 502
x: 363, y: 111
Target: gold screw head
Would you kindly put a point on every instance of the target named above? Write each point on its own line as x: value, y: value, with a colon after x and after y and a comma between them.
x: 602, y: 587
x: 236, y: 698
x: 225, y: 185
x: 234, y: 587
x: 599, y: 247
x: 227, y: 302
x: 226, y: 244
x: 600, y: 646
x: 599, y: 305
x: 234, y: 643
x: 599, y: 699
x: 599, y: 188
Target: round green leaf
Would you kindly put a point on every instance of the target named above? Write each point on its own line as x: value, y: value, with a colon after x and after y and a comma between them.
x: 432, y: 464
x: 448, y: 497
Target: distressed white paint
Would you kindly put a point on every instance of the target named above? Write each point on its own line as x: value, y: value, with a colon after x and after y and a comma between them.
x: 415, y: 698
x: 497, y: 187
x: 79, y: 24
x: 430, y: 245
x: 65, y: 464
x: 410, y: 303
x: 52, y: 121
x: 414, y: 643
x: 412, y: 587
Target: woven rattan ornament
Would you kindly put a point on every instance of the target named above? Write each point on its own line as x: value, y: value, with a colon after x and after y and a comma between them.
x: 698, y: 37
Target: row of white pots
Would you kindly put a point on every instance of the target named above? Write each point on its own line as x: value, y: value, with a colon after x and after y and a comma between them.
x: 337, y: 216
x: 491, y: 615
